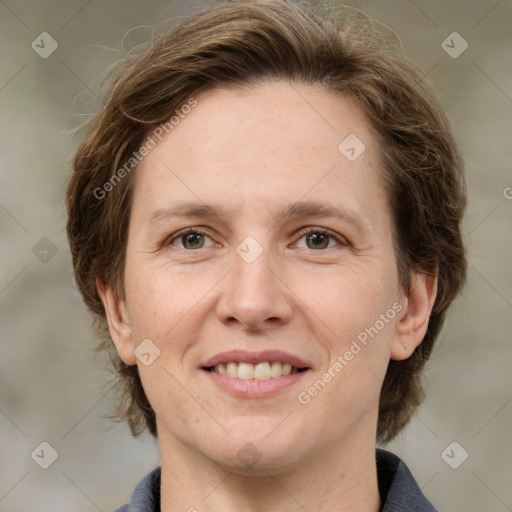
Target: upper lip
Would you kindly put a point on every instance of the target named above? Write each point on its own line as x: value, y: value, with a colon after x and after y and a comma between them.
x: 244, y: 356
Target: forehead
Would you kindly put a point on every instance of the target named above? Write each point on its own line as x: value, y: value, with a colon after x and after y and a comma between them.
x: 272, y: 145
x: 280, y: 117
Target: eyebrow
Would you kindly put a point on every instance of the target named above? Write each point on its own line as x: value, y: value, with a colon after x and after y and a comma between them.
x: 301, y: 209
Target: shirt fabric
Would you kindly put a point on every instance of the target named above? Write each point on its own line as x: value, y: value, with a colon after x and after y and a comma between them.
x: 398, y: 490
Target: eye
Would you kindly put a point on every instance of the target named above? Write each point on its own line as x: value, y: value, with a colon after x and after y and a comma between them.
x: 315, y: 239
x: 190, y: 238
x: 319, y: 238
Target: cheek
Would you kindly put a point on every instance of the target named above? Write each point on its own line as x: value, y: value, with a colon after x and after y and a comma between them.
x: 347, y: 388
x: 155, y: 298
x: 168, y: 307
x: 348, y: 309
x: 349, y: 298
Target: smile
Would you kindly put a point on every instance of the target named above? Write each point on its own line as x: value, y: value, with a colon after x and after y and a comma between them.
x: 248, y: 374
x: 261, y: 371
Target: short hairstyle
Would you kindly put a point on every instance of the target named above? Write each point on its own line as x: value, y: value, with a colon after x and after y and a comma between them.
x: 241, y: 44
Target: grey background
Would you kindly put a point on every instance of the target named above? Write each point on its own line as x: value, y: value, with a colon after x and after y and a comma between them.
x: 53, y: 388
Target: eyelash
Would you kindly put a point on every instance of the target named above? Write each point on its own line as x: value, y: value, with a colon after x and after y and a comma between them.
x: 303, y: 232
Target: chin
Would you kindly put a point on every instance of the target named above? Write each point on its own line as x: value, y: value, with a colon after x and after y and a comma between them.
x: 255, y: 461
x: 259, y: 445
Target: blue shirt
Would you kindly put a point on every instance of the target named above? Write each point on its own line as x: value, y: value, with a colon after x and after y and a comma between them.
x: 398, y: 490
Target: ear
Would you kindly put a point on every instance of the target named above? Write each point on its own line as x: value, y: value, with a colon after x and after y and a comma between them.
x: 413, y: 323
x: 118, y: 322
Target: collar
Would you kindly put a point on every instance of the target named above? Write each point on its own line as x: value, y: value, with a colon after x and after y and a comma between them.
x: 398, y: 489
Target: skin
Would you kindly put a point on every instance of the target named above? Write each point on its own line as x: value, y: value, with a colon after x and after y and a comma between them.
x: 253, y: 152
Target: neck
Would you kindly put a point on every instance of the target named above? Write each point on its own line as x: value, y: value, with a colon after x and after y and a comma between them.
x: 344, y: 480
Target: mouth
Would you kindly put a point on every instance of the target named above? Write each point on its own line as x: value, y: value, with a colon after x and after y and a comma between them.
x: 264, y: 370
x: 255, y: 374
x: 245, y: 365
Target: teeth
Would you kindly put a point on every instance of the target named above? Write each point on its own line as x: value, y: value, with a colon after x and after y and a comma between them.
x: 232, y: 370
x: 276, y: 369
x: 245, y: 371
x: 261, y: 371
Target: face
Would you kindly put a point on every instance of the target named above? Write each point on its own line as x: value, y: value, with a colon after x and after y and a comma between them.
x: 260, y: 271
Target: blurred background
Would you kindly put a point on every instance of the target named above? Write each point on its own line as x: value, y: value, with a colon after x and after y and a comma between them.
x: 54, y: 390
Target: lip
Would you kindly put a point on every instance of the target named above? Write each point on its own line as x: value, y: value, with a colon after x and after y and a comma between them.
x: 254, y: 388
x: 244, y: 356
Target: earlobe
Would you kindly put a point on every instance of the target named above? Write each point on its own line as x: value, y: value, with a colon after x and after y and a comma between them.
x: 118, y: 322
x: 412, y: 325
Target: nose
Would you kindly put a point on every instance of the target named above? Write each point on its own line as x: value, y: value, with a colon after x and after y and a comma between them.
x: 255, y: 295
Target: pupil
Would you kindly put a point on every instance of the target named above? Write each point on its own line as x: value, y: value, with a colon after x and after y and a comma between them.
x: 192, y: 239
x: 317, y: 240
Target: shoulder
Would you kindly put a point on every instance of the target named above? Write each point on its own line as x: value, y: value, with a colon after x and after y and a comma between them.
x: 398, y: 488
x: 146, y: 496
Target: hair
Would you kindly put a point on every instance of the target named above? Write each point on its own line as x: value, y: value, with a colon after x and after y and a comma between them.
x: 242, y: 44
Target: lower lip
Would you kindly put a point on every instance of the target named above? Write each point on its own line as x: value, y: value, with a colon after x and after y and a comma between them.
x: 254, y: 388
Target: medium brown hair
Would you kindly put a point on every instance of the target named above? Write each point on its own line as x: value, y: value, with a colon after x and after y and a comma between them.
x: 241, y: 44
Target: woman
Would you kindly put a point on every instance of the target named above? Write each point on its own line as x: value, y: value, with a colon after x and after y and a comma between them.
x: 265, y: 218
